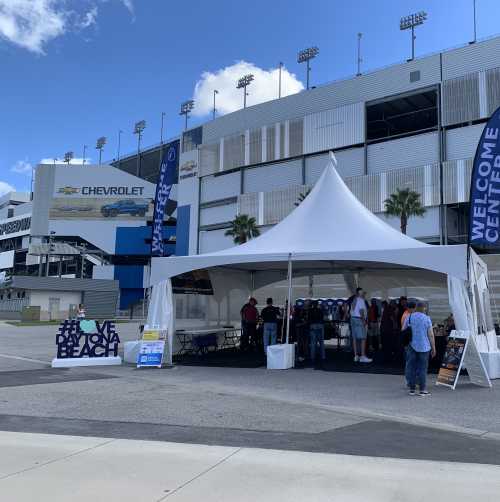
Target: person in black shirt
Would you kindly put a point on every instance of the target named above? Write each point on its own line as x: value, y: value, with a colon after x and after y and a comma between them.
x: 270, y: 315
x: 316, y: 331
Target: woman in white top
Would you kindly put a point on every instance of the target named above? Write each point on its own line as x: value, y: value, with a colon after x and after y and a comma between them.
x: 81, y: 312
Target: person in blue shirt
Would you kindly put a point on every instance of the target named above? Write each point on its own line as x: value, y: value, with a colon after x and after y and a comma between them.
x: 421, y: 346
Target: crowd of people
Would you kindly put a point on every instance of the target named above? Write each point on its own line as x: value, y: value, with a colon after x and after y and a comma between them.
x: 401, y: 331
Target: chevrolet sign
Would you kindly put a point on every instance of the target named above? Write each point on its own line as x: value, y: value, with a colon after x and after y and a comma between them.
x: 101, y: 190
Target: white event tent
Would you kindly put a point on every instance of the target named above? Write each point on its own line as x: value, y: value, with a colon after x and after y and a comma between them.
x: 332, y: 232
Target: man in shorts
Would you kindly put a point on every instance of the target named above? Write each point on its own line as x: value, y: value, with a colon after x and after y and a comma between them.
x: 359, y: 313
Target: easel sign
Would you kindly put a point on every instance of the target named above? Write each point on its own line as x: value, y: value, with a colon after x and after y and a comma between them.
x: 152, y: 348
x: 461, y: 352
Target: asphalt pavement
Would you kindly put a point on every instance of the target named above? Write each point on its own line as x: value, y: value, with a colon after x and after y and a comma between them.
x: 296, y: 410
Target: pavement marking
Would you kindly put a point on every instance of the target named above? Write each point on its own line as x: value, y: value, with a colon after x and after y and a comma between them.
x: 34, y: 467
x: 19, y: 358
x: 202, y: 473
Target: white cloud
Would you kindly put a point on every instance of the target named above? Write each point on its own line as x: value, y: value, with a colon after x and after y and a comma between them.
x: 31, y: 24
x: 129, y: 4
x: 89, y: 18
x: 229, y: 99
x: 22, y: 167
x: 5, y: 188
x: 77, y: 161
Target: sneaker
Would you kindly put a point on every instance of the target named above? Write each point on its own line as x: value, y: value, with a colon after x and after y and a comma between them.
x: 411, y: 393
x: 364, y: 359
x: 424, y: 393
x: 356, y: 359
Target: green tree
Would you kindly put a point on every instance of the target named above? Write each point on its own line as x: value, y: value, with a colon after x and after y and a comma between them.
x: 243, y: 228
x: 404, y: 203
x: 302, y: 197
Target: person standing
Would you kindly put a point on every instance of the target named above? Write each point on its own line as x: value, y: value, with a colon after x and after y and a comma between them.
x: 359, y: 321
x: 373, y: 324
x: 408, y: 312
x: 316, y: 331
x: 249, y: 318
x: 388, y: 330
x: 80, y: 313
x: 270, y: 315
x: 422, y: 346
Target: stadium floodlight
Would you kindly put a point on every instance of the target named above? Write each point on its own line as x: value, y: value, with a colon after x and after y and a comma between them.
x: 243, y: 83
x: 100, y: 145
x: 186, y: 108
x: 409, y: 23
x: 139, y: 129
x: 68, y: 157
x: 305, y: 56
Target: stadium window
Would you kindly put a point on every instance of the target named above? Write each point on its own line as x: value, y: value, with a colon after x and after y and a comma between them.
x: 191, y: 139
x: 402, y: 115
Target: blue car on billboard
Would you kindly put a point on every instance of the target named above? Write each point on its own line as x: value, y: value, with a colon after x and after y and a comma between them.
x: 126, y: 206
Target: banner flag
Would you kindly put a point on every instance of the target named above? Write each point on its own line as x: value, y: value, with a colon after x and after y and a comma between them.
x: 167, y: 178
x: 484, y: 218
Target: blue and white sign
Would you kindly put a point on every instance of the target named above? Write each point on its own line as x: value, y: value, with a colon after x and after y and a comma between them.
x: 168, y: 172
x: 484, y: 220
x: 151, y: 353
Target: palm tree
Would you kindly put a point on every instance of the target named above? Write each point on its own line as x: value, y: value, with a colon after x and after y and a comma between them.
x: 404, y: 203
x: 302, y: 197
x: 243, y: 228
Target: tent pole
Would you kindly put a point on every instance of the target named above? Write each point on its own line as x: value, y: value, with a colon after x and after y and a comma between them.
x: 289, y: 309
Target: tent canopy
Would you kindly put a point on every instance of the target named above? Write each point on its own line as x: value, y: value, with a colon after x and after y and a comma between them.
x: 329, y: 232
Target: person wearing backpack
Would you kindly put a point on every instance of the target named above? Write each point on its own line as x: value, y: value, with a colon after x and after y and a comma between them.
x: 420, y: 343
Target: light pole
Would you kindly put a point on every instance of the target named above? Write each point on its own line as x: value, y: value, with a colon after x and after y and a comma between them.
x: 120, y: 132
x: 304, y: 56
x: 243, y: 83
x: 409, y: 23
x: 100, y: 145
x: 186, y: 108
x: 279, y: 80
x: 475, y: 28
x: 161, y: 140
x: 51, y: 235
x: 161, y: 127
x: 214, y: 111
x: 84, y: 153
x: 68, y: 157
x: 139, y: 129
x: 359, y: 59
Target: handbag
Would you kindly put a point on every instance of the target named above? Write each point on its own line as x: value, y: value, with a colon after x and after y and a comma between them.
x: 407, y: 334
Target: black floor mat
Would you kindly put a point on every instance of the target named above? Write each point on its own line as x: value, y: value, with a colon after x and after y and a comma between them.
x: 228, y: 358
x: 336, y: 360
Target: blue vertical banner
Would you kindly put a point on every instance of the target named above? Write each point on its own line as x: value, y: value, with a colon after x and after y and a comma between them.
x: 167, y: 178
x: 484, y: 218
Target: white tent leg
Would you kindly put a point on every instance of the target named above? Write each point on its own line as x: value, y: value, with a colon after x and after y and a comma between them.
x: 289, y: 309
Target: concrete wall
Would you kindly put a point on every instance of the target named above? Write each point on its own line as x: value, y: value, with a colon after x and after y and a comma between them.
x: 42, y: 299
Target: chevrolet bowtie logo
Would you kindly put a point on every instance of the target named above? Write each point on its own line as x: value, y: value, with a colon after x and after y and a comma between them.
x: 68, y: 190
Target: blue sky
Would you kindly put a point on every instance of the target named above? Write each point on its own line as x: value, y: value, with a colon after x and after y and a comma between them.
x: 74, y: 70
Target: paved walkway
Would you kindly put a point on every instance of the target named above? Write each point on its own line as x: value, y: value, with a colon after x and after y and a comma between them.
x: 61, y: 468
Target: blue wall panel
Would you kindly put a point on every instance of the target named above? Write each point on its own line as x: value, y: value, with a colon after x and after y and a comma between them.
x: 183, y: 220
x: 132, y: 240
x: 130, y: 278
